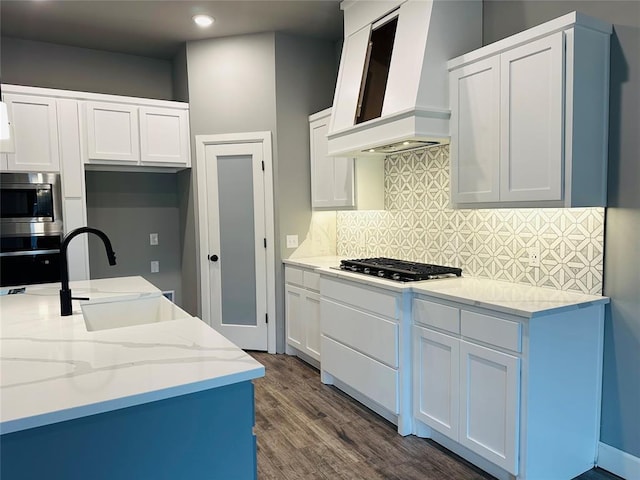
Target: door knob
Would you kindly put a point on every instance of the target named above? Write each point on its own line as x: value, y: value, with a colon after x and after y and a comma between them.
x: 213, y: 258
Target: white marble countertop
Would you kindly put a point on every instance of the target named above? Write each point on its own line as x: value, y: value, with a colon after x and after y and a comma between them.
x: 505, y: 297
x: 512, y: 298
x: 52, y: 369
x: 314, y: 262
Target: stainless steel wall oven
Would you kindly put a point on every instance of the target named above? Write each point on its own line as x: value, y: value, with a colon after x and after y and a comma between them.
x: 31, y: 228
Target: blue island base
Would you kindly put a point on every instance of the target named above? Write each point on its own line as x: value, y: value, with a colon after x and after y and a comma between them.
x: 203, y: 435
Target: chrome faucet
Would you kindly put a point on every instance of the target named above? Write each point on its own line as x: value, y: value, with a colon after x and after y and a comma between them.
x: 65, y: 291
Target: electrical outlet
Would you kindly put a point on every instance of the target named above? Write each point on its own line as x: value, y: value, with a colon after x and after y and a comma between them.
x: 534, y: 256
x: 292, y: 241
x: 155, y: 266
x: 153, y: 239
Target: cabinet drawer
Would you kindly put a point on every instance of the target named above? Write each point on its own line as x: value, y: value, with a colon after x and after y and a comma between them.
x: 492, y: 330
x: 371, y: 378
x: 372, y: 300
x: 293, y: 275
x: 374, y: 336
x: 311, y: 280
x: 436, y: 315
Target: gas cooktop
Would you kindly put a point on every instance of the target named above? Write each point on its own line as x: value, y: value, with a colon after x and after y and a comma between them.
x: 400, y: 270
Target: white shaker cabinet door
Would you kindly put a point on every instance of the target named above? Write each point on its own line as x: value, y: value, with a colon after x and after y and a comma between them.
x: 164, y: 136
x: 294, y: 297
x: 490, y: 404
x: 112, y: 132
x: 332, y: 178
x: 532, y: 99
x: 436, y: 380
x: 35, y: 131
x: 475, y: 132
x: 312, y: 327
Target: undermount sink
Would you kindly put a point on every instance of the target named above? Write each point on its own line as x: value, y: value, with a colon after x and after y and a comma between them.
x: 126, y: 311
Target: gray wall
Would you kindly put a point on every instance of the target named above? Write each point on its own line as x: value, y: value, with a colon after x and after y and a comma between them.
x: 128, y: 207
x: 231, y: 85
x: 306, y: 72
x: 48, y: 65
x: 180, y: 78
x: 265, y: 82
x: 621, y: 389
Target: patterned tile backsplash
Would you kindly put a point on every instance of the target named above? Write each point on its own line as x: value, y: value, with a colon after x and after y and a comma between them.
x: 419, y: 225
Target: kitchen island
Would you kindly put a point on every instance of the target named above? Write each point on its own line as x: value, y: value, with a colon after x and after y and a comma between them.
x: 172, y: 399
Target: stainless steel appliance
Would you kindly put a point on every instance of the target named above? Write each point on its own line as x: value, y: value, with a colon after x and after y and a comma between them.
x: 31, y: 228
x: 30, y: 203
x: 399, y: 270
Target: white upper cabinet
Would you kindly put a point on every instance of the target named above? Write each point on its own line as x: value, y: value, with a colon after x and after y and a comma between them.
x: 112, y: 132
x: 475, y: 131
x: 130, y: 134
x: 530, y: 118
x: 332, y: 181
x: 164, y: 136
x: 35, y: 133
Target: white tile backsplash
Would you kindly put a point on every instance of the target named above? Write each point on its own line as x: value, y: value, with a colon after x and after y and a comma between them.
x: 419, y: 225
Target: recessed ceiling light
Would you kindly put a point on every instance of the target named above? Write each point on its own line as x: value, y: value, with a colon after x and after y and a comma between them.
x: 203, y: 20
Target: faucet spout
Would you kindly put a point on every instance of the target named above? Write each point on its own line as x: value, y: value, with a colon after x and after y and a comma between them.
x: 65, y: 291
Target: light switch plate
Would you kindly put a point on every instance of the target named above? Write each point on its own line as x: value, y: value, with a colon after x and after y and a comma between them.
x: 155, y: 266
x: 153, y: 239
x: 292, y: 241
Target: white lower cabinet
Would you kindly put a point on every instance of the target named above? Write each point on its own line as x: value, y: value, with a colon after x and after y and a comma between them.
x: 436, y: 381
x: 363, y: 347
x: 517, y: 396
x: 302, y: 306
x: 489, y: 404
x: 467, y: 391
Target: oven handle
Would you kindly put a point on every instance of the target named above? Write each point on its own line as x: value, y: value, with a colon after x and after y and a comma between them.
x: 28, y: 252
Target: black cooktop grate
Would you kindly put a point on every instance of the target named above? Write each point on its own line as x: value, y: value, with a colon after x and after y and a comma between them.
x: 400, y: 270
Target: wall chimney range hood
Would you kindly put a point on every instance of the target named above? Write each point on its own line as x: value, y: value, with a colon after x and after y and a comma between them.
x: 392, y: 92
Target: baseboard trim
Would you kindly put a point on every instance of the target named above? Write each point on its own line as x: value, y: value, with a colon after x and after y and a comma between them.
x: 618, y: 462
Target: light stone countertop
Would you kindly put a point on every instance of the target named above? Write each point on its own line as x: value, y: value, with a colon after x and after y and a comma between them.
x: 314, y: 262
x: 52, y: 369
x: 500, y: 296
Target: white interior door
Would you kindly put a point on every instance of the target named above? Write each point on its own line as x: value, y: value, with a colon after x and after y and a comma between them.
x: 236, y: 243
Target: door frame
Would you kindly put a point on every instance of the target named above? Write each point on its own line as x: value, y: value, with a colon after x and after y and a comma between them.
x: 202, y: 235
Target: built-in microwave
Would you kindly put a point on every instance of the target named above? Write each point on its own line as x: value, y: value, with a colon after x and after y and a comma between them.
x: 31, y: 228
x: 30, y: 203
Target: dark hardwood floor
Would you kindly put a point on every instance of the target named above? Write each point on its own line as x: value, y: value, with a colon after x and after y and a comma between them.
x: 307, y: 430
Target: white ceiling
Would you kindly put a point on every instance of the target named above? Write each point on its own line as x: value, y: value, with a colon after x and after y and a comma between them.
x: 157, y: 28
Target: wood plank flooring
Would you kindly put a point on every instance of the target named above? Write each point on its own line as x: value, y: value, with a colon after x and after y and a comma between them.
x: 307, y: 430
